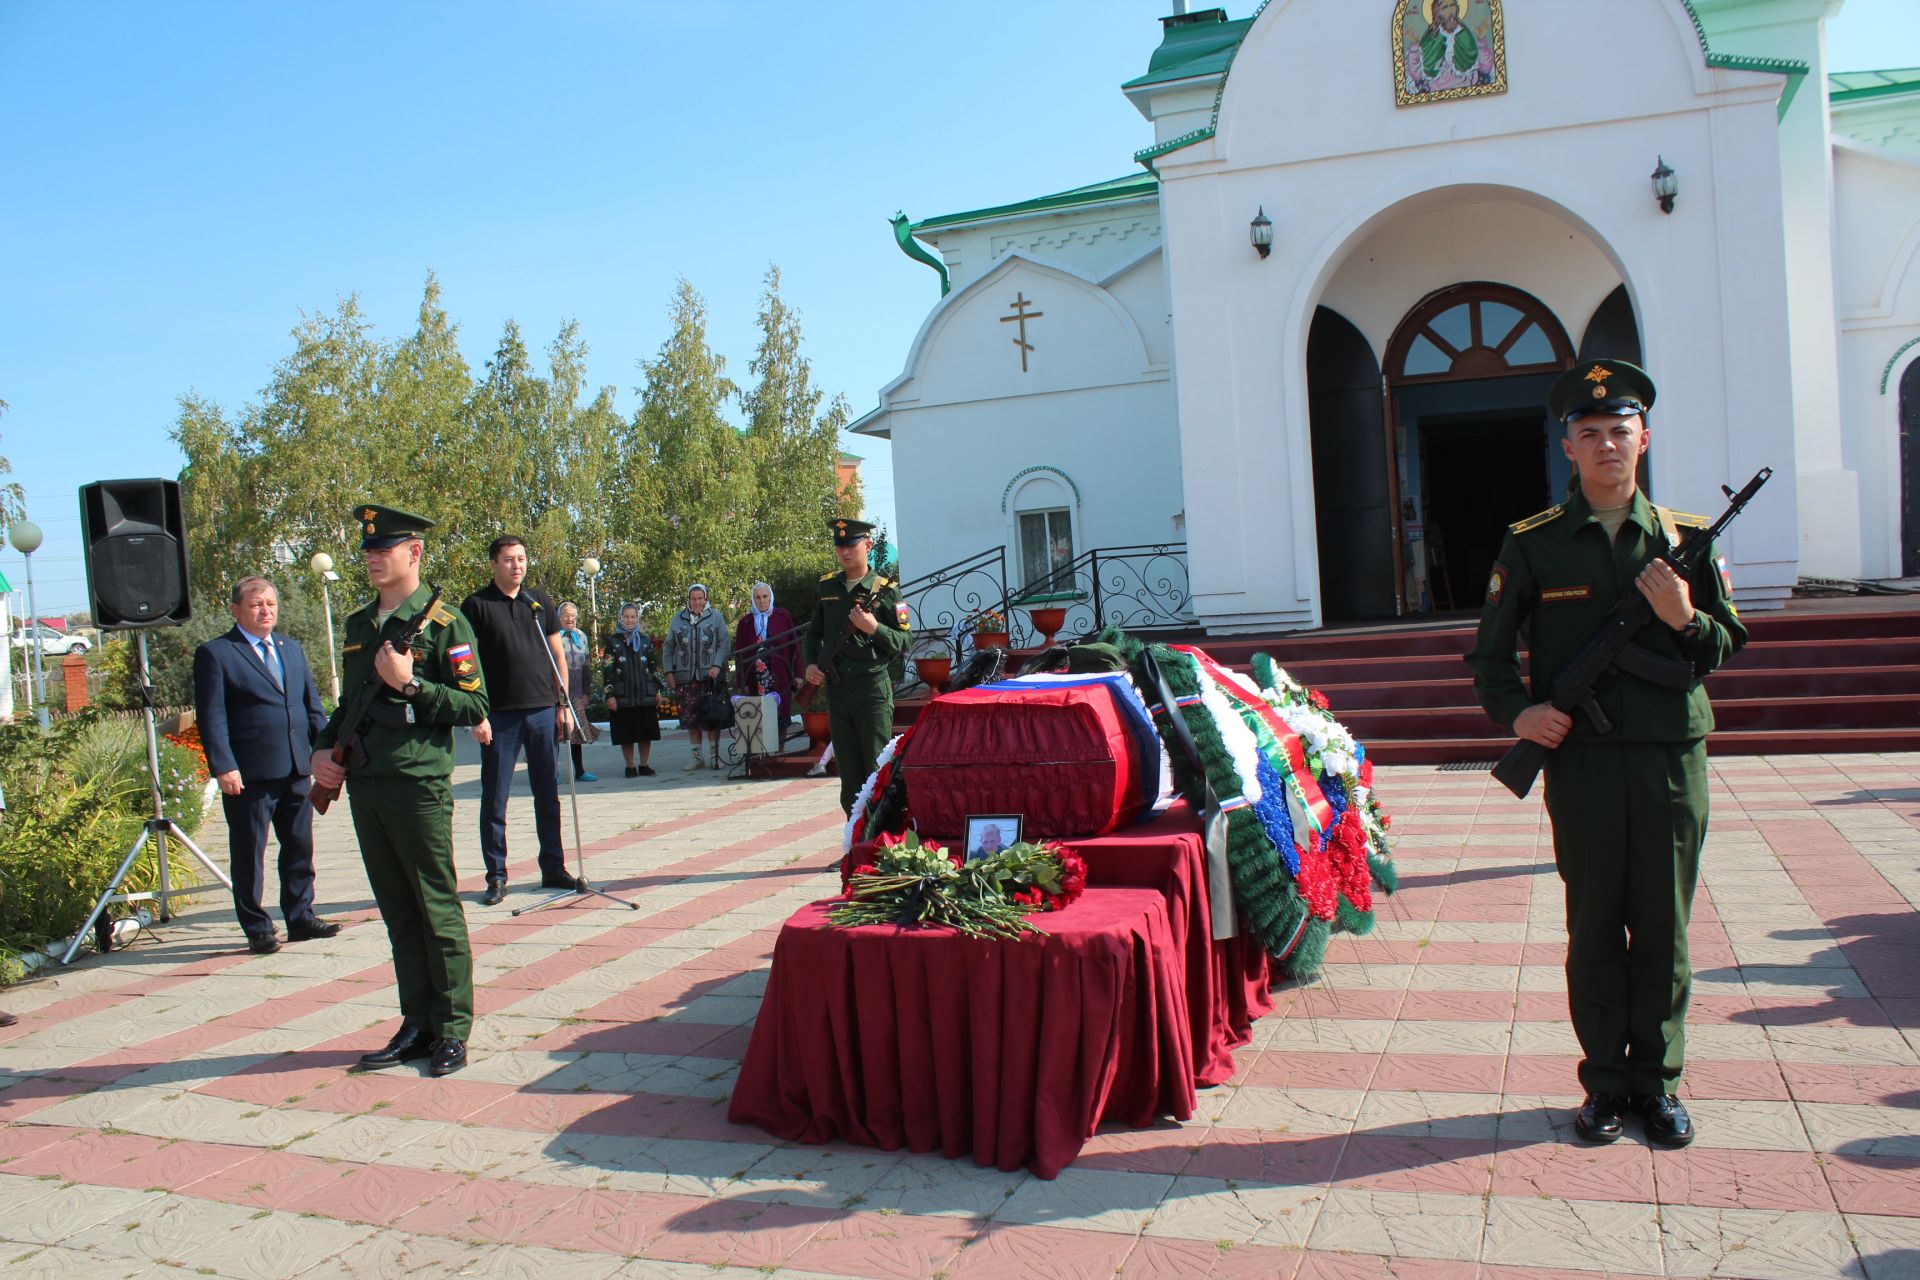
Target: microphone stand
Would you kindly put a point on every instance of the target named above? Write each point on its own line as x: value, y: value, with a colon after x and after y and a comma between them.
x: 581, y: 887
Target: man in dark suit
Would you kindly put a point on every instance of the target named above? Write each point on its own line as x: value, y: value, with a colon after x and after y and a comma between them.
x: 259, y: 713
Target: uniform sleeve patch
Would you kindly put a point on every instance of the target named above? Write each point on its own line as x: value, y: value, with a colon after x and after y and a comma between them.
x: 460, y: 658
x: 1497, y: 583
x: 1726, y: 580
x: 900, y: 613
x: 470, y: 686
x: 1566, y: 593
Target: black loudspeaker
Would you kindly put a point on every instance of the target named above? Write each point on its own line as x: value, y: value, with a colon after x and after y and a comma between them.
x: 136, y: 553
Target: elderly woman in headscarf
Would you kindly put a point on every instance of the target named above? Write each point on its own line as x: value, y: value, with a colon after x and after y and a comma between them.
x: 767, y: 651
x: 697, y: 651
x: 633, y: 693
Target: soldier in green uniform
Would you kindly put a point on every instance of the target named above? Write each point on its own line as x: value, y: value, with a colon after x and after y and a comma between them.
x: 1629, y: 808
x: 402, y: 795
x: 860, y: 704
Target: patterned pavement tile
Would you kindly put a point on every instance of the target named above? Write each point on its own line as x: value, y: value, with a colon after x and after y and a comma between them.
x: 1408, y: 1116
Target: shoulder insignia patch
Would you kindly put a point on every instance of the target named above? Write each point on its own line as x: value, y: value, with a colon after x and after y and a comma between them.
x: 829, y: 575
x: 900, y: 614
x: 441, y: 615
x: 1497, y: 583
x: 1539, y: 518
x: 470, y: 686
x: 460, y: 658
x: 1687, y: 520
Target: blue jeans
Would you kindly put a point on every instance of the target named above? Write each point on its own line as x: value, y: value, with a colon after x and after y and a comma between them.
x: 512, y: 730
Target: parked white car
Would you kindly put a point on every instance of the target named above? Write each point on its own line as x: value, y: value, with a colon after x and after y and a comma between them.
x: 52, y: 642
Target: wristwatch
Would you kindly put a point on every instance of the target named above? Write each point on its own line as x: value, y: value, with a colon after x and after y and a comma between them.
x: 1693, y: 627
x: 411, y: 689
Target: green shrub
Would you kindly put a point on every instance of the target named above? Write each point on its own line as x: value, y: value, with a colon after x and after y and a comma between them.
x: 76, y: 801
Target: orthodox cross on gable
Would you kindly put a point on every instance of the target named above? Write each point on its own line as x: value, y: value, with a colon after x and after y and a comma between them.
x: 1020, y: 316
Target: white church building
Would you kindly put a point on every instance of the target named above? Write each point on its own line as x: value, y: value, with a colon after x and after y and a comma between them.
x: 1309, y: 336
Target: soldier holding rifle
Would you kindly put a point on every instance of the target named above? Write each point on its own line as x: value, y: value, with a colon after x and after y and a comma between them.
x: 409, y: 675
x: 1627, y: 774
x: 859, y: 627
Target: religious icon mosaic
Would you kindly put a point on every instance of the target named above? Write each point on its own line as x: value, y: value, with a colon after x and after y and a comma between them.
x: 1448, y: 49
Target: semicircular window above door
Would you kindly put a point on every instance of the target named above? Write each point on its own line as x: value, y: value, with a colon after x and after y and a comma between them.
x: 1477, y: 331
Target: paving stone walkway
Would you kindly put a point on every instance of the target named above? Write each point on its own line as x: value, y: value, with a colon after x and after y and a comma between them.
x: 187, y: 1107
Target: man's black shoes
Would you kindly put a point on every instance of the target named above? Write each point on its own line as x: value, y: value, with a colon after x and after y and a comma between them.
x: 310, y: 929
x: 262, y: 944
x: 409, y: 1044
x: 559, y: 880
x: 1598, y: 1119
x: 448, y: 1056
x: 496, y: 893
x: 1666, y: 1119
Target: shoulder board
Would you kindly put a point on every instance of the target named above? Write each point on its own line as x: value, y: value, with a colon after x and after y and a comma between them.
x: 441, y: 615
x: 882, y: 583
x: 829, y: 575
x: 1687, y: 520
x: 1539, y: 518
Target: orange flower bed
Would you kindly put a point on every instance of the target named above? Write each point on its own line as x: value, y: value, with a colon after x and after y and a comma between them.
x: 189, y: 739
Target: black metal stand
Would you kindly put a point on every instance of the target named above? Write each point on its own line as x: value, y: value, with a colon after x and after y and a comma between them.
x: 157, y: 829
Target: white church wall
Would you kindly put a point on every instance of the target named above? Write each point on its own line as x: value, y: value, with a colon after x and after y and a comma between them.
x: 1877, y: 245
x: 1113, y: 442
x: 1095, y: 400
x: 1829, y: 490
x: 1708, y: 282
x: 1094, y: 242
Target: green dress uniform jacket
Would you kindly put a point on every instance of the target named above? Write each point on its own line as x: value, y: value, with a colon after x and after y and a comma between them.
x: 1629, y: 808
x: 402, y: 801
x: 860, y: 705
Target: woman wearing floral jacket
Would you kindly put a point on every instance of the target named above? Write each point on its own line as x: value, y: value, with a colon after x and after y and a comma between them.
x: 698, y: 646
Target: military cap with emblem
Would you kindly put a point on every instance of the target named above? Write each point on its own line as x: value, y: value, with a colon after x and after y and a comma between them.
x: 847, y: 532
x: 382, y: 527
x: 1600, y: 386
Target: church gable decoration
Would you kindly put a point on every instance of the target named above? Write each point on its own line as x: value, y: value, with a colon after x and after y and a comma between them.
x: 1448, y: 49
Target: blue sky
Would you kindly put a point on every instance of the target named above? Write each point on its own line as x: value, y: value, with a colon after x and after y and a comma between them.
x: 185, y: 179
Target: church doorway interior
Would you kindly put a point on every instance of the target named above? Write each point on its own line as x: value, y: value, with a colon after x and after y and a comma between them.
x: 1467, y: 373
x: 1477, y: 476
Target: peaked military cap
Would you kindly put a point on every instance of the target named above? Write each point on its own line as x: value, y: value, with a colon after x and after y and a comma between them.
x: 847, y: 532
x: 382, y: 527
x: 1600, y: 386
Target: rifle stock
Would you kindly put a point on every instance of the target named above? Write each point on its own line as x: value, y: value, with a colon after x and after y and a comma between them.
x: 1518, y: 768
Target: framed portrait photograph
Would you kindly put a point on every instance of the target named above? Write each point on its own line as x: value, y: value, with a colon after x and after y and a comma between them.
x: 989, y: 833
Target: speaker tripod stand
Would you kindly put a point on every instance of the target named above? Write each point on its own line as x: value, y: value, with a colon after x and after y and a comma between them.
x: 159, y: 829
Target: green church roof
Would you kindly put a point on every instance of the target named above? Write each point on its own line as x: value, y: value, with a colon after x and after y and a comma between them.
x: 1132, y: 187
x: 1857, y: 86
x: 1198, y: 44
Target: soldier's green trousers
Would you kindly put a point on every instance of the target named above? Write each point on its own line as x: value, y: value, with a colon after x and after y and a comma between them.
x: 860, y: 717
x: 405, y: 826
x: 1628, y: 823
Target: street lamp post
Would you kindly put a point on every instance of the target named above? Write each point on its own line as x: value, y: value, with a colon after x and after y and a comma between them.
x: 590, y: 566
x: 26, y: 538
x: 322, y: 564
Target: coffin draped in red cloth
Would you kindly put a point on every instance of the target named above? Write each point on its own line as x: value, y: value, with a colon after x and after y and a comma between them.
x: 1012, y: 1052
x: 1226, y: 981
x: 1074, y: 755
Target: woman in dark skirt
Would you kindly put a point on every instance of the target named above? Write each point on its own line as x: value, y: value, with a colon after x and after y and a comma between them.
x: 633, y: 698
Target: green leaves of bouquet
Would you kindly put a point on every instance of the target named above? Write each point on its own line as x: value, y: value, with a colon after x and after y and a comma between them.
x: 911, y: 882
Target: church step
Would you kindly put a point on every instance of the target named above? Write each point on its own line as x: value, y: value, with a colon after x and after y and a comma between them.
x: 1882, y: 711
x: 1735, y: 742
x: 1726, y: 685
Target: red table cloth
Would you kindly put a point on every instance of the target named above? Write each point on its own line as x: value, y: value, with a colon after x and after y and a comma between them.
x: 1226, y: 982
x: 1011, y: 1051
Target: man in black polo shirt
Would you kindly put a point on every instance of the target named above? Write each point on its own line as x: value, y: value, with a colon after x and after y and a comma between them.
x: 518, y: 630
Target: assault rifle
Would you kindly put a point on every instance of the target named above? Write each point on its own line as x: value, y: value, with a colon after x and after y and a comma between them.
x: 348, y: 750
x: 859, y: 596
x: 1612, y: 649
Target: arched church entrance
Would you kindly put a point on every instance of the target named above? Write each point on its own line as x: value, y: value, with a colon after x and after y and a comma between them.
x: 1467, y: 373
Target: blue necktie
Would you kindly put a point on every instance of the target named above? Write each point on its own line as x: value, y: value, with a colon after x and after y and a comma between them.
x: 272, y: 660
